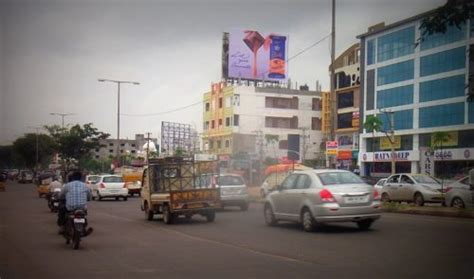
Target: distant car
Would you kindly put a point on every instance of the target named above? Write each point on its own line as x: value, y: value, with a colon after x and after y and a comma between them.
x: 315, y: 197
x: 233, y: 191
x: 91, y: 180
x: 460, y: 194
x: 134, y: 187
x: 110, y: 186
x: 13, y: 173
x: 417, y: 188
x: 379, y: 184
x: 25, y: 176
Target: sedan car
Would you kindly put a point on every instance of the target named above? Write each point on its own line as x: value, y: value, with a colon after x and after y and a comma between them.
x: 316, y: 197
x: 110, y: 186
x: 233, y: 191
x: 460, y: 194
x: 379, y: 184
x: 25, y: 176
x: 91, y: 180
x: 417, y: 188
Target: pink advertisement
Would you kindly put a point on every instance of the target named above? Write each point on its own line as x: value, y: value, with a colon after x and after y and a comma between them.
x: 258, y: 56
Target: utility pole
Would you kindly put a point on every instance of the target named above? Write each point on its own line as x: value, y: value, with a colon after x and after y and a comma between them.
x: 62, y: 116
x: 37, y: 147
x: 148, y: 147
x: 304, y: 144
x: 332, y: 94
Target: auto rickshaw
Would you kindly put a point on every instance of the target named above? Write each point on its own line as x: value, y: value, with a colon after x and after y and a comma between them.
x: 3, y: 179
x: 43, y: 185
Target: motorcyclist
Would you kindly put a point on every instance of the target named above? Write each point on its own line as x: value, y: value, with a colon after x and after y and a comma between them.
x: 75, y: 194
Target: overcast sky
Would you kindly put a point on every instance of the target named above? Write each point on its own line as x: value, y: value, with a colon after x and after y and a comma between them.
x: 53, y: 52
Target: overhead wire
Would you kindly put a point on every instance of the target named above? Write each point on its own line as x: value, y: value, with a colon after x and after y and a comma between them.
x: 200, y: 102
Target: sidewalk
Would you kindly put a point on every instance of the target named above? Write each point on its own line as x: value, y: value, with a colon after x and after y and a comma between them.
x: 403, y: 208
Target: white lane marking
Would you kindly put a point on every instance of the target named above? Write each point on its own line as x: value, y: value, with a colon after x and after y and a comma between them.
x: 197, y: 238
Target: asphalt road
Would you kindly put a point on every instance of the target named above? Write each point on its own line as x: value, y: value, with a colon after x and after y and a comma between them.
x: 236, y: 245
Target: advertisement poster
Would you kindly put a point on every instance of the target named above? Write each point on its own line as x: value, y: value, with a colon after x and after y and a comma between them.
x: 258, y: 56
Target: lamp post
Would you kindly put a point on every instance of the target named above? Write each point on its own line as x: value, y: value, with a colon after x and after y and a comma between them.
x: 62, y: 116
x: 391, y: 137
x: 118, y: 82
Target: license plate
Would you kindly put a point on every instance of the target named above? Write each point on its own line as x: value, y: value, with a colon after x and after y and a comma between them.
x: 56, y: 203
x: 356, y: 199
x: 79, y: 220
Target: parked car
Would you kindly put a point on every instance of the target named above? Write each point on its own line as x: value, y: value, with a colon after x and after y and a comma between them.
x: 379, y: 184
x: 25, y: 176
x: 417, y: 188
x: 460, y: 194
x: 315, y: 197
x: 110, y: 186
x: 91, y: 180
x: 233, y: 191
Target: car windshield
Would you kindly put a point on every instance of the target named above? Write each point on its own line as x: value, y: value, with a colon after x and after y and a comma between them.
x: 93, y: 178
x: 112, y: 179
x: 424, y: 179
x: 229, y: 180
x: 337, y: 178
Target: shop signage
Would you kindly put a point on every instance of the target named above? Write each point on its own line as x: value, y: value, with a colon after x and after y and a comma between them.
x: 454, y: 154
x: 331, y: 144
x: 451, y: 140
x: 387, y: 156
x: 427, y: 161
x: 385, y: 143
x: 331, y: 152
x: 355, y: 119
x: 344, y: 154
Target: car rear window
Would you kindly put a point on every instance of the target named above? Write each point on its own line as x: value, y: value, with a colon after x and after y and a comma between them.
x: 94, y: 178
x: 230, y: 180
x: 337, y: 178
x: 113, y: 179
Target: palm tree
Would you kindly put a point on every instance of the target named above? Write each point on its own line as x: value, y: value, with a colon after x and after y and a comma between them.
x: 373, y: 124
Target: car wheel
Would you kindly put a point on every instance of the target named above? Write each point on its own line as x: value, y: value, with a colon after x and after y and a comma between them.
x: 458, y: 203
x: 116, y: 198
x: 385, y: 197
x: 307, y: 220
x: 148, y: 213
x: 365, y: 224
x: 270, y: 219
x: 244, y: 207
x: 167, y: 215
x: 99, y: 196
x: 418, y: 199
x: 125, y: 198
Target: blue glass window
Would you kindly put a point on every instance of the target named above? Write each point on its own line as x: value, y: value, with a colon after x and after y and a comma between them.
x: 395, y: 96
x: 445, y: 61
x: 453, y: 34
x: 472, y: 27
x: 396, y: 44
x: 471, y: 112
x: 370, y: 52
x: 402, y: 120
x: 395, y: 72
x: 442, y: 88
x: 442, y: 115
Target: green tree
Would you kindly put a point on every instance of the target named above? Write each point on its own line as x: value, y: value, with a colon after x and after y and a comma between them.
x: 75, y: 143
x: 373, y: 124
x: 24, y: 150
x: 6, y: 156
x: 439, y: 140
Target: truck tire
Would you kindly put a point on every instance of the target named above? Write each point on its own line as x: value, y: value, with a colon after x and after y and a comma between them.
x: 148, y: 213
x: 211, y: 216
x: 168, y: 217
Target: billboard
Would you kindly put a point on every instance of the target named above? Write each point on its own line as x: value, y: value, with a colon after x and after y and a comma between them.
x: 255, y: 56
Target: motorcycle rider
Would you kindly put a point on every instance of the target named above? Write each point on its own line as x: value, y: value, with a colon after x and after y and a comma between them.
x: 76, y: 194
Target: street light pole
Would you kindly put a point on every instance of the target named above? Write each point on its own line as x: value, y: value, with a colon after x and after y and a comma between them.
x: 62, y: 116
x: 391, y: 138
x: 118, y: 82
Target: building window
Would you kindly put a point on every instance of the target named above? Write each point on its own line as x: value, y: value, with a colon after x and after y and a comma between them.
x: 206, y: 125
x: 281, y: 122
x: 453, y: 34
x: 111, y: 144
x: 283, y: 144
x: 211, y: 144
x: 122, y: 144
x: 317, y: 105
x: 220, y: 123
x: 228, y: 101
x: 345, y: 100
x: 442, y: 88
x: 97, y: 150
x: 121, y: 150
x: 220, y: 102
x: 111, y: 150
x: 282, y: 103
x: 471, y: 111
x: 213, y: 124
x: 218, y: 144
x: 344, y: 120
x: 395, y: 96
x: 402, y: 120
x: 134, y: 151
x: 370, y: 89
x: 445, y: 61
x: 396, y: 44
x: 236, y: 100
x: 443, y: 115
x: 315, y: 123
x: 370, y: 52
x: 227, y: 121
x: 395, y: 72
x: 133, y: 145
x: 227, y: 143
x: 236, y: 120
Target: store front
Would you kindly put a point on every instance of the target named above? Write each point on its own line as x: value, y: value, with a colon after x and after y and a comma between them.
x: 378, y: 164
x: 447, y: 163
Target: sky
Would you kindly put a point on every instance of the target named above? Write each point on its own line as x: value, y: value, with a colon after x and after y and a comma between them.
x: 52, y: 52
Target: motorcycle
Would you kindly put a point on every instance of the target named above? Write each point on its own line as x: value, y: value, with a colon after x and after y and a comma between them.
x: 76, y: 227
x: 53, y: 200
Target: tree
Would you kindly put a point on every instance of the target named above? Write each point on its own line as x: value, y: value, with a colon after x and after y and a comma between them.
x: 438, y: 139
x: 6, y: 156
x: 373, y: 124
x: 74, y: 144
x: 24, y: 150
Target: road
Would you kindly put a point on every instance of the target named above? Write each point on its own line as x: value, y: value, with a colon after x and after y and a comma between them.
x: 236, y: 245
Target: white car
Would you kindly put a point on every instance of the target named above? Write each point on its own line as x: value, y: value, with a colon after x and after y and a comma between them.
x: 110, y: 186
x: 379, y: 185
x: 416, y: 188
x: 233, y: 191
x: 460, y: 194
x: 91, y: 180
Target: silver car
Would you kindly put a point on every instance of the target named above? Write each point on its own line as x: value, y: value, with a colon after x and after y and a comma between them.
x: 379, y: 184
x: 460, y: 194
x: 417, y: 188
x: 233, y: 191
x: 315, y: 197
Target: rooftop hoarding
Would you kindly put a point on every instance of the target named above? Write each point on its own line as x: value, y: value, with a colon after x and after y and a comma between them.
x: 252, y: 55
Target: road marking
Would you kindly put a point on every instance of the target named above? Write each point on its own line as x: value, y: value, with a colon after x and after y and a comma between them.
x: 197, y: 238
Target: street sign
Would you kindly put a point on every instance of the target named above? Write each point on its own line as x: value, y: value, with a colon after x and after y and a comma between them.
x: 331, y: 152
x: 331, y: 145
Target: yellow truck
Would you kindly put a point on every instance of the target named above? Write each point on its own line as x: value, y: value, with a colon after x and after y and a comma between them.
x: 170, y: 186
x: 132, y: 179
